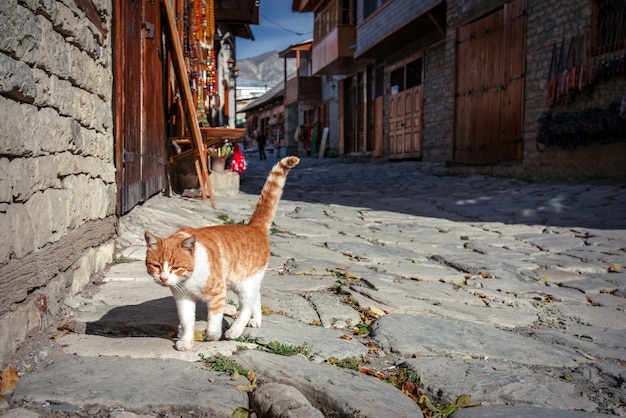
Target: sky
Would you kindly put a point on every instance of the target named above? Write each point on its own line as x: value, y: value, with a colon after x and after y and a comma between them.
x: 278, y: 29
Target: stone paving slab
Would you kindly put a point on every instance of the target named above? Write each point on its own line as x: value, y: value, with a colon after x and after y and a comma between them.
x: 411, y: 335
x: 323, y: 342
x: 495, y: 315
x: 174, y: 385
x: 333, y: 391
x: 143, y: 347
x: 497, y: 382
x: 502, y: 411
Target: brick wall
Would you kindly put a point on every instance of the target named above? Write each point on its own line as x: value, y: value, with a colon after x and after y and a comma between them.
x: 547, y: 22
x: 438, y: 104
x: 57, y: 173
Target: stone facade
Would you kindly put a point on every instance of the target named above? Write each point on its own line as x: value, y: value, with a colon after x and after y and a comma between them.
x: 57, y: 171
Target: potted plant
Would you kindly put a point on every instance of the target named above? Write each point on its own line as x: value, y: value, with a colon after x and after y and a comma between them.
x: 219, y: 155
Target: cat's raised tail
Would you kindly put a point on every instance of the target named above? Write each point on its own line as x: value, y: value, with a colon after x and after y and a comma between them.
x: 270, y: 195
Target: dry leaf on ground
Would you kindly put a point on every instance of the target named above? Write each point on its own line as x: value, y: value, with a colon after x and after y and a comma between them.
x: 9, y: 378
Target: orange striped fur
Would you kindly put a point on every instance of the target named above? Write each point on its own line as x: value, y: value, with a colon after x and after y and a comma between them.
x: 201, y: 263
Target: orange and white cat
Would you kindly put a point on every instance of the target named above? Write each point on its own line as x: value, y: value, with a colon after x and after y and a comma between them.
x: 201, y: 263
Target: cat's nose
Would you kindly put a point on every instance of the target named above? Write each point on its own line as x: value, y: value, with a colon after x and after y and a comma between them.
x: 163, y: 279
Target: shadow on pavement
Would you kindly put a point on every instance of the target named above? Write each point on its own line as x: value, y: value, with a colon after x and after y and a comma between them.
x: 418, y: 188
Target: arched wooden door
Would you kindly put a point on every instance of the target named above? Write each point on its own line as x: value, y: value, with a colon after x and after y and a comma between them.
x: 405, y: 109
x: 405, y: 124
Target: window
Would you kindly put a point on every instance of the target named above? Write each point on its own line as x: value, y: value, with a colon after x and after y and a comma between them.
x: 348, y: 12
x: 406, y: 77
x: 370, y: 6
x: 608, y: 26
x: 414, y: 73
x: 396, y: 80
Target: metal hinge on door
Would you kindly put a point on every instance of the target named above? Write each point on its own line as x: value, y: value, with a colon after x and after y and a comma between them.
x: 127, y: 157
x: 149, y: 27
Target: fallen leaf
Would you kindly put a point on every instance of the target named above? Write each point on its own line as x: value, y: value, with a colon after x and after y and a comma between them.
x: 251, y: 377
x: 64, y: 326
x: 371, y: 372
x: 463, y: 401
x: 375, y: 312
x: 234, y: 376
x: 411, y: 389
x: 246, y: 388
x: 9, y: 378
x: 198, y: 336
x: 372, y: 347
x: 614, y: 267
x: 345, y: 337
x: 169, y: 335
x: 240, y: 412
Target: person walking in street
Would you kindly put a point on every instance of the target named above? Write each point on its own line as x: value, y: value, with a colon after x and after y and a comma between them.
x: 261, y: 140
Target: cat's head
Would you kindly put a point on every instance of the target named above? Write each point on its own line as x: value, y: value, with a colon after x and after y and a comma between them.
x: 170, y: 260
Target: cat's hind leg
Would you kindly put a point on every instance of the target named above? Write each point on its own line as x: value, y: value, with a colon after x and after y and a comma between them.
x: 257, y: 312
x: 250, y: 304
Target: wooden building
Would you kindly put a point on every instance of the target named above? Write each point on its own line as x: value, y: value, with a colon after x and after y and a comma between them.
x: 466, y: 83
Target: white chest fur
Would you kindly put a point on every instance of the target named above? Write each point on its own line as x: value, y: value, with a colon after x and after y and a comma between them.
x: 197, y: 281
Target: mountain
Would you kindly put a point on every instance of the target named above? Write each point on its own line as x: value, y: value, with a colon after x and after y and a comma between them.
x: 267, y: 68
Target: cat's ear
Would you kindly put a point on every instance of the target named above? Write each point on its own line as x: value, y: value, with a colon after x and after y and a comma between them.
x: 151, y: 240
x: 189, y: 244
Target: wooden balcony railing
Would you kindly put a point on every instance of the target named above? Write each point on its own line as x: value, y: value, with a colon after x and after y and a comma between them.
x: 303, y: 89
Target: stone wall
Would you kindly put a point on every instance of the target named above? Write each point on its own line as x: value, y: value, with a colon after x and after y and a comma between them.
x: 57, y: 173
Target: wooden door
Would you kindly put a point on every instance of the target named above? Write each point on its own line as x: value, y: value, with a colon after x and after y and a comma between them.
x: 139, y: 105
x: 396, y: 126
x: 405, y: 124
x: 489, y: 87
x: 378, y: 131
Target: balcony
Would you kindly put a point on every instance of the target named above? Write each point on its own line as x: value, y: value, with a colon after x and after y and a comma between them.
x: 335, y: 38
x: 303, y: 90
x: 333, y: 54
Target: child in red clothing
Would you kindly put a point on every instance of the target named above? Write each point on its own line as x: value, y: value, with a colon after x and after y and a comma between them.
x: 238, y: 165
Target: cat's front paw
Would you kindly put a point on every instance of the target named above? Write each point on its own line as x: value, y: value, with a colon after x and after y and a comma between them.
x: 254, y: 323
x: 184, y: 345
x: 213, y: 336
x: 233, y: 334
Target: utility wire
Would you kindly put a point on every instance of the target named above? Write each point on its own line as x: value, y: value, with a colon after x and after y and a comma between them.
x: 281, y: 26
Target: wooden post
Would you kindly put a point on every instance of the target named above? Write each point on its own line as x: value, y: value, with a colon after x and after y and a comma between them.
x: 188, y: 106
